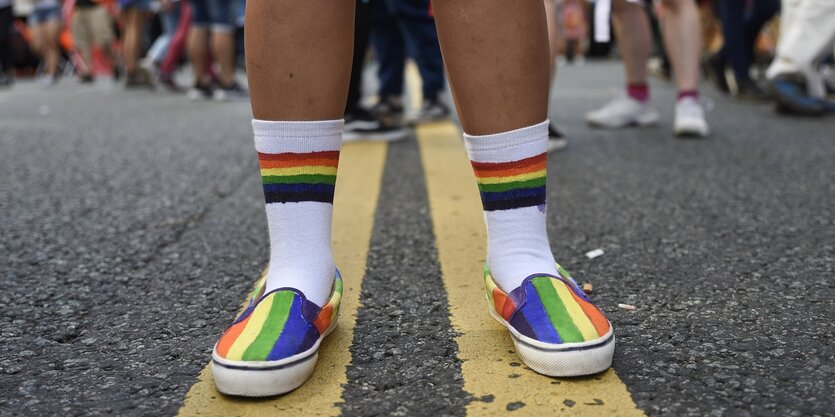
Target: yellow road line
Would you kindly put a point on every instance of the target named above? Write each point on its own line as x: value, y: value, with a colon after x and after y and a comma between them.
x: 357, y: 192
x: 491, y: 370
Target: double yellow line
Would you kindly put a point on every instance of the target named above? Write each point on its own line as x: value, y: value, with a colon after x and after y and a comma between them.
x: 492, y: 372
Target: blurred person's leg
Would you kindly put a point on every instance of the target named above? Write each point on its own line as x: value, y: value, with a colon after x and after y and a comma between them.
x: 6, y: 64
x: 178, y: 41
x: 762, y: 11
x: 362, y: 36
x: 554, y: 38
x: 807, y: 33
x: 552, y: 18
x: 52, y: 51
x: 169, y: 17
x: 421, y: 39
x: 632, y: 29
x: 390, y: 51
x: 682, y: 37
x: 497, y: 60
x: 634, y: 39
x: 223, y: 15
x: 683, y: 41
x: 101, y: 26
x: 83, y: 39
x: 134, y: 23
x: 198, y: 49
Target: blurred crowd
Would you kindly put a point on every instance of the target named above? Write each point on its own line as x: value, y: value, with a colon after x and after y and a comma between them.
x: 752, y: 50
x: 140, y: 43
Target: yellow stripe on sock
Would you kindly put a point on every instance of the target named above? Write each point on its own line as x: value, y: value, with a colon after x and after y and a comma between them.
x: 502, y: 180
x: 252, y: 329
x: 581, y: 321
x: 310, y: 170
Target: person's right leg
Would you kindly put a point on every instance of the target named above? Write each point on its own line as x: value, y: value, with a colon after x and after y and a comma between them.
x: 82, y: 39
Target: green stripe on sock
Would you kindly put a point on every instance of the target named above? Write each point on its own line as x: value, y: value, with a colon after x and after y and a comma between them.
x: 273, y: 326
x: 556, y: 311
x: 299, y: 179
x: 532, y: 183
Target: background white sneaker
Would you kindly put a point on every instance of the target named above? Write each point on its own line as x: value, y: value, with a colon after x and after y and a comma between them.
x: 690, y: 119
x: 623, y: 111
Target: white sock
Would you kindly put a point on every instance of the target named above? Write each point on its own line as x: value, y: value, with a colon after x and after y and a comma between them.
x: 298, y: 169
x: 510, y: 170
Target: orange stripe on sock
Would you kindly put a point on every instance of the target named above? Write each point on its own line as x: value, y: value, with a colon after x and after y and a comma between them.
x: 274, y: 163
x: 499, y: 166
x: 231, y: 335
x: 512, y: 171
x: 601, y: 325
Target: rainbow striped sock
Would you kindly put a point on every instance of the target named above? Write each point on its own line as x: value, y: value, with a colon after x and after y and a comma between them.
x: 298, y: 162
x: 294, y: 177
x: 510, y: 169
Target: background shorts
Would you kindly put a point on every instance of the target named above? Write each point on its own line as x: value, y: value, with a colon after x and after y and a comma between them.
x: 219, y: 15
x: 45, y: 14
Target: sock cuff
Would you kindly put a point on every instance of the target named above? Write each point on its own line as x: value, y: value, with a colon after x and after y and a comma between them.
x: 297, y: 136
x: 508, y: 146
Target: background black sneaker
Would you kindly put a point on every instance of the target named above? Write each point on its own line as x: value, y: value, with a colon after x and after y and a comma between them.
x: 200, y: 92
x: 432, y: 110
x: 360, y: 118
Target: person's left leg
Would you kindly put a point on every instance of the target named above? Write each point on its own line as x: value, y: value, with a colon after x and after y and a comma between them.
x: 497, y: 60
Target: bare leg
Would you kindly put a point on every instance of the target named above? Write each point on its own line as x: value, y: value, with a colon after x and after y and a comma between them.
x: 299, y: 58
x: 487, y: 43
x: 198, y: 54
x: 223, y: 49
x: 683, y: 40
x: 634, y: 39
x: 51, y: 52
x: 134, y: 20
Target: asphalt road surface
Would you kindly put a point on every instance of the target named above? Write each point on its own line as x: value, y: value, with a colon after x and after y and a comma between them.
x: 132, y: 227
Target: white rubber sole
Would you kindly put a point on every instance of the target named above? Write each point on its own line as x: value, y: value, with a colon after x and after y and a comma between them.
x: 266, y: 378
x: 562, y: 360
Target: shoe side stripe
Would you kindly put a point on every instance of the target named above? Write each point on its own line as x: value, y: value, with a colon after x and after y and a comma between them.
x: 600, y: 323
x: 231, y: 335
x: 254, y: 324
x: 292, y: 335
x: 271, y: 328
x: 575, y: 311
x: 556, y: 311
x: 537, y: 317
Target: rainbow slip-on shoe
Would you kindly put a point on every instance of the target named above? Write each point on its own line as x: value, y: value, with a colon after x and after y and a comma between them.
x: 272, y: 347
x: 555, y: 327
